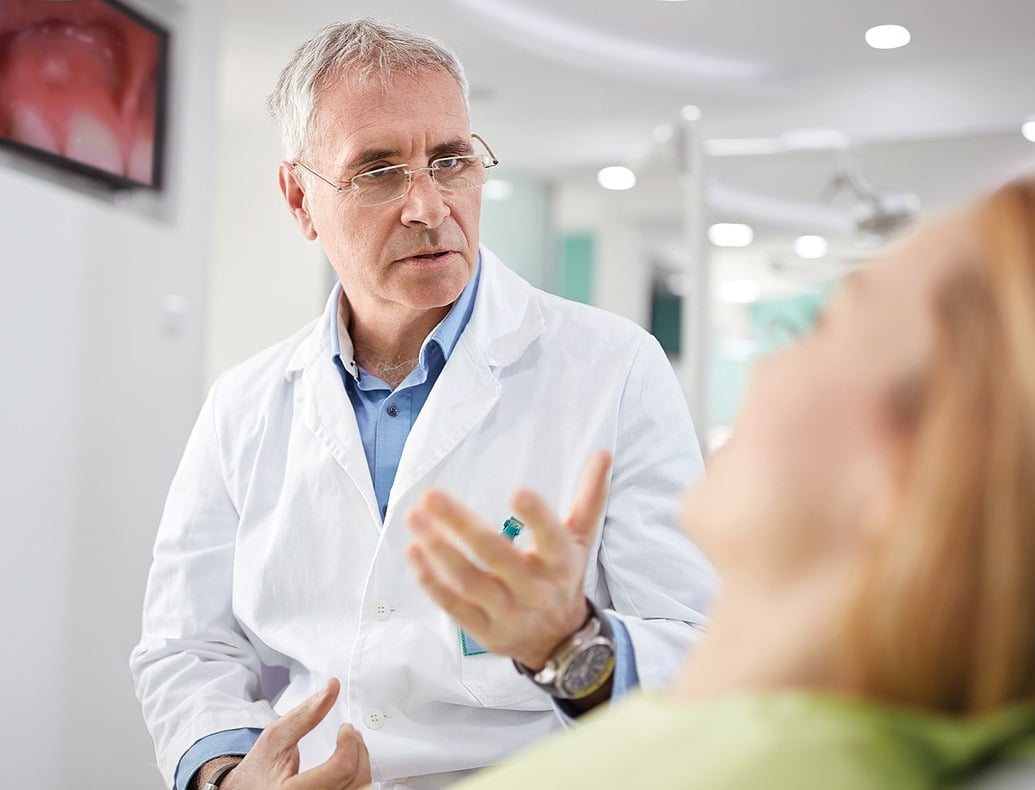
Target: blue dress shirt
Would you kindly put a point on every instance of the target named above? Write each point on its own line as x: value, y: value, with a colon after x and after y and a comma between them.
x: 385, y: 417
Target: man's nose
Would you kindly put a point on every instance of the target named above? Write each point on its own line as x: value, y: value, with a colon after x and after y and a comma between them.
x: 424, y: 203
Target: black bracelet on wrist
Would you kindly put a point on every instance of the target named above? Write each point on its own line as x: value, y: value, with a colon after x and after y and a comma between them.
x: 219, y: 776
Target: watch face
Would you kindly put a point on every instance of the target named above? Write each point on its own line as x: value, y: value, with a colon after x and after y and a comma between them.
x: 588, y: 671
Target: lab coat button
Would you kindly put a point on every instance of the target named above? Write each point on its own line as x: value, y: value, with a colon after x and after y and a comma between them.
x: 382, y: 610
x: 374, y: 719
x: 393, y: 411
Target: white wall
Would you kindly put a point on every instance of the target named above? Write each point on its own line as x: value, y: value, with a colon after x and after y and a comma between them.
x: 266, y: 281
x: 101, y: 385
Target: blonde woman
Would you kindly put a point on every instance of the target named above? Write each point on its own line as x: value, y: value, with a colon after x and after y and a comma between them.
x: 873, y: 521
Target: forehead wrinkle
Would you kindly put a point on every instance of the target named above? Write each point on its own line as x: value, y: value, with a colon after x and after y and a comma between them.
x: 385, y: 125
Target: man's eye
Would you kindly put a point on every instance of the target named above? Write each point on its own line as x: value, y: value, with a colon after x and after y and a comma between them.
x: 450, y: 163
x: 379, y: 174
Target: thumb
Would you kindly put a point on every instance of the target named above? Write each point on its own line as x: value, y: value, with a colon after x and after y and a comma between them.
x: 348, y: 766
x: 301, y: 719
x: 591, y: 496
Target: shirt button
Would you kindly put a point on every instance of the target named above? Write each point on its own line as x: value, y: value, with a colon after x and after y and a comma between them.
x: 374, y: 718
x: 382, y: 610
x: 393, y: 411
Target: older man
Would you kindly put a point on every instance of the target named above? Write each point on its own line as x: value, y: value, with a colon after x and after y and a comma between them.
x: 284, y: 539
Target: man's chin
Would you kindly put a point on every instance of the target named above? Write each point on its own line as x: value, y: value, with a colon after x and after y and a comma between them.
x: 429, y: 289
x: 424, y: 299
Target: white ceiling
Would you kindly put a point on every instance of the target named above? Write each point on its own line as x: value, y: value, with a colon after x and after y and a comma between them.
x: 570, y: 85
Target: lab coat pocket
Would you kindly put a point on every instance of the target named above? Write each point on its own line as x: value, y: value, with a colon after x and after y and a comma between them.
x: 494, y: 682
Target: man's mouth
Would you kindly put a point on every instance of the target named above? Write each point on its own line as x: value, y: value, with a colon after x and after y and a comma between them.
x: 430, y: 255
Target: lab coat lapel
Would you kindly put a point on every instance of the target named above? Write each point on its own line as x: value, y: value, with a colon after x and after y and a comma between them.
x: 464, y: 394
x: 505, y: 321
x: 324, y: 405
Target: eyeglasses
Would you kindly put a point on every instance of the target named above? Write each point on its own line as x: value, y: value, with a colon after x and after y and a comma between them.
x: 386, y: 184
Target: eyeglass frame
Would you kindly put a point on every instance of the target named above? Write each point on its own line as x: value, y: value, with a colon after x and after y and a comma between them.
x: 408, y: 172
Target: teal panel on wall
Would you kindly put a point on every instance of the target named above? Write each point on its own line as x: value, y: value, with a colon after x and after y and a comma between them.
x: 666, y: 320
x: 775, y: 323
x: 576, y: 280
x: 780, y: 321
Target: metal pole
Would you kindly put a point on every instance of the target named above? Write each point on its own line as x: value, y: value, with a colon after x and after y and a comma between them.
x: 695, y: 323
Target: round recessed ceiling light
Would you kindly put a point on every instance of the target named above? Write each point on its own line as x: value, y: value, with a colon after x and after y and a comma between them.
x: 1028, y: 129
x: 730, y: 234
x: 811, y: 246
x: 690, y: 112
x: 616, y: 177
x: 887, y: 36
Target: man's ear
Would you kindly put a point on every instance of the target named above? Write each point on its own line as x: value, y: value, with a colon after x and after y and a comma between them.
x: 293, y: 190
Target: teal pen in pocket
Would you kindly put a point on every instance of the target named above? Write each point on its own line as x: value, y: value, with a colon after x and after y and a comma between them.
x: 512, y: 527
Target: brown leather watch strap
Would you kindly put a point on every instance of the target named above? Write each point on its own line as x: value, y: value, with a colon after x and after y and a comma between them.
x: 217, y: 778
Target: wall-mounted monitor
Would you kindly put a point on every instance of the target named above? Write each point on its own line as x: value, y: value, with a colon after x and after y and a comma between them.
x: 82, y: 85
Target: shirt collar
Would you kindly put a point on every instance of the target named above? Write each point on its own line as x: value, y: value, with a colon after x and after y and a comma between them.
x: 446, y: 335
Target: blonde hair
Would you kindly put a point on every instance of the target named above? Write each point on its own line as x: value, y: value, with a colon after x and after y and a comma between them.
x: 945, y: 616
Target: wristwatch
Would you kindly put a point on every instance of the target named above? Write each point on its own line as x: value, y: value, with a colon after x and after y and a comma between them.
x: 581, y: 664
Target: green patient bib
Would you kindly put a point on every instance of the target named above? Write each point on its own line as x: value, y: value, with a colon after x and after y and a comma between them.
x: 775, y: 741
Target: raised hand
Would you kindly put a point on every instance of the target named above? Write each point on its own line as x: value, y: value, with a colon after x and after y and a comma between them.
x: 516, y: 602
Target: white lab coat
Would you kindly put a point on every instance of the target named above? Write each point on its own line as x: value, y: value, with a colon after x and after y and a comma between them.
x: 271, y: 548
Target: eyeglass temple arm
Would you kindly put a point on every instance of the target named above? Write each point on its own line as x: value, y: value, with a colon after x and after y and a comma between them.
x: 492, y: 156
x: 327, y: 181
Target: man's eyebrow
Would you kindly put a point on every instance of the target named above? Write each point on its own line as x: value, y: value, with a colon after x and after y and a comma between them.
x: 457, y: 146
x: 369, y: 156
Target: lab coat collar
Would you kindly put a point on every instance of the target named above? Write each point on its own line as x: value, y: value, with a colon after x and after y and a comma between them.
x: 340, y: 341
x: 505, y: 322
x: 507, y: 317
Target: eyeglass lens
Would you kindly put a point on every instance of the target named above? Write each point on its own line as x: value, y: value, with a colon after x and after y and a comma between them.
x: 458, y: 172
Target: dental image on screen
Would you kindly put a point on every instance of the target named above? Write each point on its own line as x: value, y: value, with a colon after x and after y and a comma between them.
x: 82, y: 85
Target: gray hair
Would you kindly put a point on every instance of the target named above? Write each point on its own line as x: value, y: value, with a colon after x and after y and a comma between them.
x: 367, y: 46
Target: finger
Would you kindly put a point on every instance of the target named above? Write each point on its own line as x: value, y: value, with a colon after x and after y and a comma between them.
x: 492, y: 549
x: 591, y: 497
x: 553, y: 540
x: 467, y: 614
x: 348, y: 766
x: 363, y: 777
x: 453, y: 566
x: 289, y: 728
x: 553, y: 545
x: 350, y: 753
